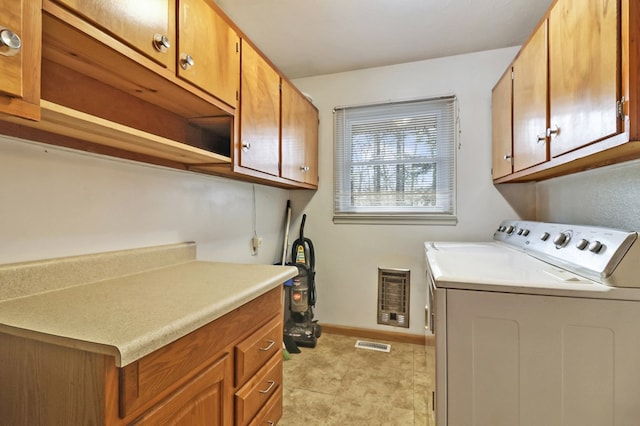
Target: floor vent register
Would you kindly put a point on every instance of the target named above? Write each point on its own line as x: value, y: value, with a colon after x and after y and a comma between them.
x: 373, y: 346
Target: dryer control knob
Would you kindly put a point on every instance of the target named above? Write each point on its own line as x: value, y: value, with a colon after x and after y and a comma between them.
x: 545, y: 236
x: 561, y: 240
x: 582, y: 244
x: 510, y: 229
x: 595, y: 246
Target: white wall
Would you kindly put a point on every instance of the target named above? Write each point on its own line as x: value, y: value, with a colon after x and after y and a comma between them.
x: 608, y: 196
x: 56, y: 202
x: 347, y: 255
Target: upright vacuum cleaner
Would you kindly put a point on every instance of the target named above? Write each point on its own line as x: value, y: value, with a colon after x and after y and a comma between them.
x: 300, y: 328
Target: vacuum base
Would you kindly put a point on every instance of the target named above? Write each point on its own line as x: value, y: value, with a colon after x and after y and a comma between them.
x: 304, y: 335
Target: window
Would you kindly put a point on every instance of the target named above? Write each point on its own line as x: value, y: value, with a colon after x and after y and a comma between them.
x: 395, y: 162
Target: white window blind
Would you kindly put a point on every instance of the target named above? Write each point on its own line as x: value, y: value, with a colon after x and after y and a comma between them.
x: 395, y: 162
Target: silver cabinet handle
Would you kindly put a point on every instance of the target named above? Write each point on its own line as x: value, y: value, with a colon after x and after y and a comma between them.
x: 246, y: 146
x: 186, y: 61
x: 541, y: 138
x: 507, y: 157
x: 554, y: 131
x: 161, y: 43
x: 304, y: 168
x: 271, y: 385
x: 10, y: 43
x: 269, y: 346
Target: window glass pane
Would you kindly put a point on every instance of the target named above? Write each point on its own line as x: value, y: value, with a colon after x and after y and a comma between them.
x: 396, y: 159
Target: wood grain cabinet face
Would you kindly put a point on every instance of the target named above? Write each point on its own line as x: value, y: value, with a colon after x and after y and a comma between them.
x: 259, y: 391
x: 213, y: 46
x: 259, y: 113
x: 139, y: 24
x: 20, y: 82
x: 501, y: 125
x: 202, y: 401
x: 530, y: 102
x: 299, y: 137
x: 567, y: 91
x: 584, y: 72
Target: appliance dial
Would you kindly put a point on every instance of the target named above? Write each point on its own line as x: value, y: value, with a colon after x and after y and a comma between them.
x: 520, y: 231
x: 561, y: 239
x: 526, y: 232
x: 582, y: 244
x: 545, y: 236
x: 595, y: 246
x: 510, y: 229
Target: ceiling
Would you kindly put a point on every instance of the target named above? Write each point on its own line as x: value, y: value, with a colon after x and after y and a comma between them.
x: 313, y: 37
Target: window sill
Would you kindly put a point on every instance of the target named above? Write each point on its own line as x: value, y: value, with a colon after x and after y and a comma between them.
x: 395, y: 219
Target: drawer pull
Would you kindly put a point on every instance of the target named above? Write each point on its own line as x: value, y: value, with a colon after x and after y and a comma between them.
x: 270, y: 423
x: 269, y: 346
x: 271, y: 384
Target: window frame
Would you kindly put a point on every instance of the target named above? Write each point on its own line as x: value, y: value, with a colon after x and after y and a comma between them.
x: 444, y: 213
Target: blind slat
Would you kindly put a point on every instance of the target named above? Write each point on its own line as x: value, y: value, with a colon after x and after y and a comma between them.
x: 396, y: 158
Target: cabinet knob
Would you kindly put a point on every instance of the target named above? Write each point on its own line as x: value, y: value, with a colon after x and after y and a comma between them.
x: 186, y: 61
x: 554, y: 131
x: 10, y: 43
x: 246, y: 146
x: 541, y: 138
x: 161, y: 43
x: 304, y: 168
x: 507, y: 157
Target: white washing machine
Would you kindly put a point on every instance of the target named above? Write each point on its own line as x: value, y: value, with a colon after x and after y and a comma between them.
x: 540, y: 327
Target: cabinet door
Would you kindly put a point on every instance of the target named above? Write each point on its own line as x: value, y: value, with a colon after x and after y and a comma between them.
x: 584, y: 72
x: 20, y: 82
x: 140, y: 24
x: 530, y: 102
x: 259, y: 113
x: 213, y: 47
x: 502, y: 137
x: 205, y: 400
x: 299, y: 137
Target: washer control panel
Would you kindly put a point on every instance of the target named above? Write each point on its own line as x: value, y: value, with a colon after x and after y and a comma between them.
x: 590, y: 251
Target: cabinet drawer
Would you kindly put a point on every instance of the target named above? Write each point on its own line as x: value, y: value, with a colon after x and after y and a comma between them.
x: 255, y: 350
x: 258, y: 390
x: 271, y: 413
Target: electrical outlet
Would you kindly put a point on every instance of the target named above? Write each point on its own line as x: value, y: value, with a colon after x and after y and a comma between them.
x: 255, y: 243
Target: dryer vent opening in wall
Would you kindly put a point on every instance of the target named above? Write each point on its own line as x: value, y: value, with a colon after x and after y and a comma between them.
x: 393, y: 297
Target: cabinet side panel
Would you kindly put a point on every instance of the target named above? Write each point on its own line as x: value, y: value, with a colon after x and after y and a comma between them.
x: 42, y: 383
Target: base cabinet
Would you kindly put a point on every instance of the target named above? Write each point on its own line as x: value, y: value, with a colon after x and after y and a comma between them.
x: 514, y: 359
x: 192, y: 381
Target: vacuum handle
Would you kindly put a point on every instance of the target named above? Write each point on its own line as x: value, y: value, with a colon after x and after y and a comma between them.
x: 304, y: 219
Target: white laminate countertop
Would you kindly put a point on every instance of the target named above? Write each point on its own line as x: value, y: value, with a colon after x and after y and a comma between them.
x: 131, y: 316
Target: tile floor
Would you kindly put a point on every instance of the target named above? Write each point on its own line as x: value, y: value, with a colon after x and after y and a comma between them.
x: 337, y: 384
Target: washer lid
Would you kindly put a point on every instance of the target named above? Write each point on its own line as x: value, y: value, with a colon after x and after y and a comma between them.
x: 493, y: 266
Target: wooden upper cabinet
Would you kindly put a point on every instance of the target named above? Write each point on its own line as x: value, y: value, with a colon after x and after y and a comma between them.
x: 259, y: 113
x: 530, y: 102
x: 147, y: 26
x: 209, y: 50
x: 20, y: 59
x: 501, y: 125
x: 299, y: 137
x: 584, y: 72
